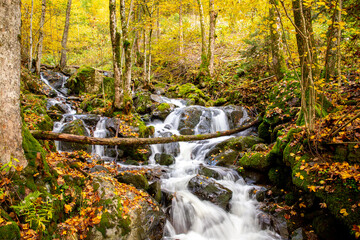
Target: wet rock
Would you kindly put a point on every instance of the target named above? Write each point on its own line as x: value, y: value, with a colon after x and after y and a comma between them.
x: 142, y: 102
x: 155, y: 191
x: 162, y: 111
x: 189, y: 118
x: 169, y: 148
x: 226, y: 158
x: 111, y: 124
x: 255, y: 161
x: 260, y: 147
x: 86, y: 79
x: 156, y: 98
x: 253, y: 176
x: 277, y: 223
x: 328, y: 227
x: 242, y: 143
x: 137, y: 180
x: 90, y: 119
x: 61, y: 107
x: 98, y: 168
x: 207, y: 189
x: 164, y: 159
x: 234, y: 114
x: 298, y: 234
x: 113, y: 152
x: 75, y: 127
x: 187, y: 131
x: 208, y: 172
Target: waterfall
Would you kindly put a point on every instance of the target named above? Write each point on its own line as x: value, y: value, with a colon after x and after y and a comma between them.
x: 193, y: 218
x: 100, y: 132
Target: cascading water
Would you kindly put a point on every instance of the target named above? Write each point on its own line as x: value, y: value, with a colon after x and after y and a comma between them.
x: 100, y: 132
x: 192, y: 218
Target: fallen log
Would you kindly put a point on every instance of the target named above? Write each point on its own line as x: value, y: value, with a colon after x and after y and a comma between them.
x: 46, y: 135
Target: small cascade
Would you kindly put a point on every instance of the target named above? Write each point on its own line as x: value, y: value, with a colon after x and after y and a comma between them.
x: 100, y: 132
x: 193, y: 218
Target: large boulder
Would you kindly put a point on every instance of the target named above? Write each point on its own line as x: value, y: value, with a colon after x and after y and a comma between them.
x: 164, y: 159
x: 162, y: 111
x: 189, y: 118
x: 137, y: 180
x: 75, y: 127
x: 255, y: 161
x: 87, y: 79
x: 209, y: 190
x: 143, y: 103
x: 234, y: 114
x: 226, y: 158
x: 144, y: 219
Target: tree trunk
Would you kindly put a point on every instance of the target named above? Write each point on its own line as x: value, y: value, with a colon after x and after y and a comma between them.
x: 204, y: 60
x: 127, y: 101
x: 278, y: 63
x: 181, y: 32
x: 65, y: 36
x: 41, y: 37
x: 135, y: 141
x: 145, y: 56
x: 338, y: 46
x: 158, y: 23
x: 10, y: 120
x: 115, y: 41
x: 213, y: 15
x: 332, y: 46
x: 305, y: 43
x: 30, y: 36
x: 148, y: 79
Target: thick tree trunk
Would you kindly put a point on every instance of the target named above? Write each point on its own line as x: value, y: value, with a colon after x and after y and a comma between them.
x: 30, y: 36
x: 204, y: 60
x: 213, y: 15
x: 278, y: 63
x: 135, y: 141
x: 305, y: 43
x: 41, y: 36
x: 10, y: 120
x: 127, y: 100
x: 145, y: 56
x: 181, y: 32
x: 65, y: 36
x: 115, y: 41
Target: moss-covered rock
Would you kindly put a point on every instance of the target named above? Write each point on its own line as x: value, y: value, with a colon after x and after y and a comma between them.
x: 280, y: 176
x: 137, y: 180
x: 162, y: 111
x: 10, y: 232
x: 190, y: 92
x: 220, y: 101
x: 155, y: 191
x: 75, y: 127
x: 226, y: 158
x: 164, y: 159
x: 87, y: 79
x: 257, y: 161
x: 143, y: 102
x: 241, y: 143
x: 208, y: 172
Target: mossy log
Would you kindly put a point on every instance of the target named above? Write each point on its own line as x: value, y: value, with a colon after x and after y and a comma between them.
x: 135, y: 141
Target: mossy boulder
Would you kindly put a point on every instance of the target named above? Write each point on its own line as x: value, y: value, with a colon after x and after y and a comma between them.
x: 155, y: 191
x: 87, y: 79
x: 190, y: 92
x: 189, y: 118
x: 241, y: 143
x: 10, y: 232
x: 256, y: 161
x: 207, y: 189
x: 75, y: 127
x: 137, y: 180
x: 208, y: 172
x: 226, y: 158
x: 164, y: 159
x: 162, y: 111
x: 280, y: 176
x: 142, y: 102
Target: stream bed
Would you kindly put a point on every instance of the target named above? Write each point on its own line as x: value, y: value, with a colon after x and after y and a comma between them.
x: 218, y: 207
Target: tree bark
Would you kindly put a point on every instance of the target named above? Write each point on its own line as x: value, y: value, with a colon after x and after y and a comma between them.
x: 145, y: 56
x: 181, y: 32
x: 203, y: 35
x: 10, y: 120
x: 305, y: 43
x: 115, y: 41
x: 126, y: 78
x: 65, y: 36
x: 30, y: 36
x: 278, y: 63
x: 135, y: 141
x: 213, y: 15
x: 41, y: 37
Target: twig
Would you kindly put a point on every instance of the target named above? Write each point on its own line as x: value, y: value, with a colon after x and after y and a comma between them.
x: 338, y: 130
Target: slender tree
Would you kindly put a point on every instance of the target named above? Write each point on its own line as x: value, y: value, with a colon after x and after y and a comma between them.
x: 115, y: 41
x: 203, y: 34
x: 278, y: 63
x: 65, y: 36
x: 305, y: 43
x: 31, y: 36
x: 181, y: 31
x: 10, y: 120
x: 213, y: 15
x: 41, y: 36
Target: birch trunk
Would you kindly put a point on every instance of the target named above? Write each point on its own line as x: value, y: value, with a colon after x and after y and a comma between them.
x: 145, y: 56
x: 115, y: 41
x: 10, y: 120
x: 181, y: 32
x: 41, y: 37
x: 65, y: 36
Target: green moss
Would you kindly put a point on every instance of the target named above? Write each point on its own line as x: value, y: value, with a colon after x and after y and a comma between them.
x: 163, y: 107
x: 108, y: 87
x: 257, y: 161
x: 10, y: 232
x: 31, y: 146
x: 280, y: 176
x: 264, y: 131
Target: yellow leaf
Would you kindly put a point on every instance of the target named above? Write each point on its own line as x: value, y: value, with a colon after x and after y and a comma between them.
x: 301, y: 177
x: 312, y: 188
x: 292, y: 154
x: 67, y: 208
x: 343, y: 212
x: 302, y: 205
